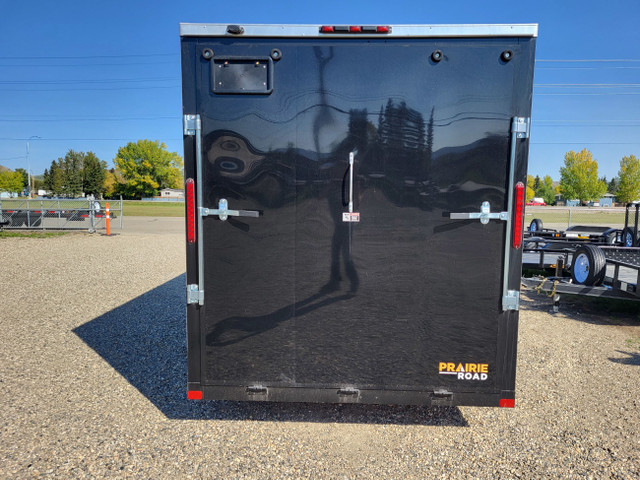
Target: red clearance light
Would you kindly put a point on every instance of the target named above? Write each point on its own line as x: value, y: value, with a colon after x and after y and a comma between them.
x: 518, y: 218
x: 383, y: 29
x: 191, y: 210
x: 507, y: 403
x: 354, y: 29
x: 197, y: 395
x: 326, y: 29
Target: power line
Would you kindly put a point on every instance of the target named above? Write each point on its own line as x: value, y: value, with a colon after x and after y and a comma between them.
x: 612, y: 85
x: 41, y: 65
x: 594, y: 60
x: 76, y: 82
x: 33, y: 90
x: 84, y: 57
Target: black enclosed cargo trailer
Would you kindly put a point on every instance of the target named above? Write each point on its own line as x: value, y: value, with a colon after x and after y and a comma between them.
x: 354, y: 202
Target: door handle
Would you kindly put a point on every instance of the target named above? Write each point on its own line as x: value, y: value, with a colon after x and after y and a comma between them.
x: 484, y: 215
x: 351, y: 216
x: 223, y: 211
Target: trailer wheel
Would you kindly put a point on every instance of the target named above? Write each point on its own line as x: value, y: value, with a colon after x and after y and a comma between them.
x: 627, y: 238
x: 588, y: 266
x: 536, y: 225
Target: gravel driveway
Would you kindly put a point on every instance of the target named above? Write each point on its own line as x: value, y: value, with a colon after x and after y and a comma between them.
x: 92, y: 385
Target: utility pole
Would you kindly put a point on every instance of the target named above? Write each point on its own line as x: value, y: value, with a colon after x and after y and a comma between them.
x: 28, y: 164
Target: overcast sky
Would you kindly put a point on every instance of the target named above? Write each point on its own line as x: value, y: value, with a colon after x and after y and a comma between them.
x: 92, y: 76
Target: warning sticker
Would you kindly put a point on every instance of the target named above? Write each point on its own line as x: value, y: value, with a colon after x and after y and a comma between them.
x: 465, y: 371
x: 350, y: 217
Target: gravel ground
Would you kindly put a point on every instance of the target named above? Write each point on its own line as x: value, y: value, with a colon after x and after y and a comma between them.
x: 92, y: 385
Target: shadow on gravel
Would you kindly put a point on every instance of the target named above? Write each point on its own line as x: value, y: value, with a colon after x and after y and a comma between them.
x: 597, y: 311
x: 144, y: 340
x: 632, y: 358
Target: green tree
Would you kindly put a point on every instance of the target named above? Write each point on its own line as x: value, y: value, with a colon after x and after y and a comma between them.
x: 629, y: 174
x: 94, y: 174
x: 25, y: 177
x: 53, y: 179
x: 11, y: 181
x: 613, y: 185
x: 72, y: 167
x: 579, y: 177
x: 546, y: 190
x: 537, y: 183
x: 147, y: 166
x: 530, y: 190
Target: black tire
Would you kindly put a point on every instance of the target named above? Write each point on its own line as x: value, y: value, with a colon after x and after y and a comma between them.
x: 628, y: 239
x: 588, y: 266
x: 535, y: 225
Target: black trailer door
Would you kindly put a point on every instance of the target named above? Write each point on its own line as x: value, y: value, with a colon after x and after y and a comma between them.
x: 394, y: 296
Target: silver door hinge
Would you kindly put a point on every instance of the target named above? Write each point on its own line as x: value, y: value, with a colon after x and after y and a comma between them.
x: 484, y: 215
x: 520, y: 126
x: 191, y: 124
x: 511, y: 301
x: 194, y: 294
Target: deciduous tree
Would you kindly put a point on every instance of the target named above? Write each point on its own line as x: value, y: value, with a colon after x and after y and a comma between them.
x: 629, y: 174
x: 147, y: 166
x: 11, y: 181
x: 579, y: 177
x: 546, y: 190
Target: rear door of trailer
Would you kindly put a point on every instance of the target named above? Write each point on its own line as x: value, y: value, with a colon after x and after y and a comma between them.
x: 353, y: 230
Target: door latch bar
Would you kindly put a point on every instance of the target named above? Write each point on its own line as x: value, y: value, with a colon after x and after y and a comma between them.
x: 484, y: 215
x: 223, y: 211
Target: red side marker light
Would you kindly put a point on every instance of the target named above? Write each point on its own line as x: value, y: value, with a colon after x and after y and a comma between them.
x: 326, y: 29
x: 518, y: 218
x: 382, y: 29
x: 197, y: 395
x: 354, y: 29
x: 507, y: 402
x: 191, y: 210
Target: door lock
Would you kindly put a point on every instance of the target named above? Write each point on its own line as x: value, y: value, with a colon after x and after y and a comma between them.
x: 223, y: 211
x: 484, y: 215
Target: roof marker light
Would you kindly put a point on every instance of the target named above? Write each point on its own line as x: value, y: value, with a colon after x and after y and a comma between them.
x: 383, y: 29
x: 326, y: 29
x: 355, y: 29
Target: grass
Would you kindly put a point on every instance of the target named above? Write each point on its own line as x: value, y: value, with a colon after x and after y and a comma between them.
x: 137, y: 208
x: 579, y: 216
x: 132, y: 208
x: 8, y: 234
x: 633, y: 342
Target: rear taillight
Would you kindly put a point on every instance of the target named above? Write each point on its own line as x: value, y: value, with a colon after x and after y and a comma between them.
x: 507, y: 403
x: 194, y: 395
x: 518, y: 218
x: 191, y: 210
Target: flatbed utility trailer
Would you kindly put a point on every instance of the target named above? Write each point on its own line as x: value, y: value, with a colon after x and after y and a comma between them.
x: 354, y: 211
x: 583, y: 269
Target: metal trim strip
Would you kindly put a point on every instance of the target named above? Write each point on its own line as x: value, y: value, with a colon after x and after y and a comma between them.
x: 397, y: 31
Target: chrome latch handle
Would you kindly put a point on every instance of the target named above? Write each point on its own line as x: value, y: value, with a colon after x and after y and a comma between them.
x: 223, y: 211
x: 484, y: 215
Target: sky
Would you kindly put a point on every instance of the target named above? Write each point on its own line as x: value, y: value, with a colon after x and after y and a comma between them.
x: 92, y: 76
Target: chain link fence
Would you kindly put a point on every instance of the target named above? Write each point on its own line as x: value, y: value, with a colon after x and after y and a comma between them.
x: 59, y: 214
x: 560, y: 218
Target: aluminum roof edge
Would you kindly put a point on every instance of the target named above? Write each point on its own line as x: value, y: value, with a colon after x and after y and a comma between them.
x: 426, y: 31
